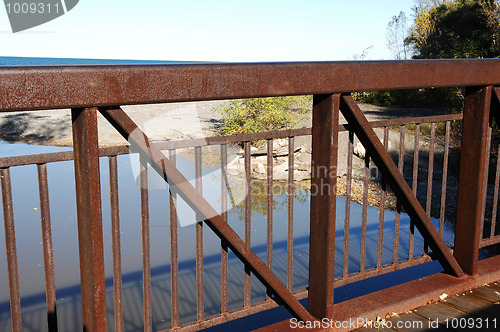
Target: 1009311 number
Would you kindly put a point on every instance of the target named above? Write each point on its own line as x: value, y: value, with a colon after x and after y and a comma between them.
x: 32, y: 8
x: 470, y: 323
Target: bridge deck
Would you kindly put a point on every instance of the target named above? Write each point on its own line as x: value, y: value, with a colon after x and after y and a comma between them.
x: 475, y: 309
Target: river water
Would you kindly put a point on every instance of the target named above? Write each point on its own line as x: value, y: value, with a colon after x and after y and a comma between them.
x: 65, y: 244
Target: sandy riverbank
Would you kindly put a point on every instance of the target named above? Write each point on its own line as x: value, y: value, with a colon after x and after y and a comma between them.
x: 161, y: 122
x: 172, y: 121
x: 178, y: 121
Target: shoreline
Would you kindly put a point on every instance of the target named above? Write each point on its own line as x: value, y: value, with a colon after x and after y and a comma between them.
x: 178, y: 121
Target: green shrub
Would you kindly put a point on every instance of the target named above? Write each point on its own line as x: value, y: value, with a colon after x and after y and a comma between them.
x: 425, y: 128
x: 255, y: 115
x: 450, y: 98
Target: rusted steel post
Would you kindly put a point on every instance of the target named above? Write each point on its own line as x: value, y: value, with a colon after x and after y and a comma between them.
x: 471, y: 182
x: 323, y: 204
x: 88, y: 203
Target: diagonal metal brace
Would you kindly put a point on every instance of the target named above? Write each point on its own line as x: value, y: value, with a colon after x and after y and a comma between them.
x: 496, y: 89
x: 161, y: 164
x: 384, y: 162
x: 495, y: 104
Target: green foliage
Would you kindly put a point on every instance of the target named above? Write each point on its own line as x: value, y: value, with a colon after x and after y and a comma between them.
x: 443, y: 29
x: 258, y: 192
x: 255, y: 115
x: 456, y: 29
x: 451, y: 98
x: 425, y: 128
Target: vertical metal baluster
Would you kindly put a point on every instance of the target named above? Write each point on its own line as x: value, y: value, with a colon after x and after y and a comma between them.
x: 248, y: 215
x: 430, y: 171
x: 224, y: 244
x: 395, y: 258
x: 364, y: 213
x: 200, y: 302
x: 414, y: 185
x: 380, y: 249
x: 444, y: 180
x: 495, y: 196
x: 174, y: 256
x: 486, y: 173
x: 248, y: 226
x: 290, y: 214
x: 116, y: 243
x: 146, y: 257
x: 350, y: 148
x: 11, y: 251
x: 269, y: 209
x: 48, y: 257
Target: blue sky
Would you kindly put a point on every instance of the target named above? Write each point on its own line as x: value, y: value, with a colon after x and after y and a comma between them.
x: 215, y: 30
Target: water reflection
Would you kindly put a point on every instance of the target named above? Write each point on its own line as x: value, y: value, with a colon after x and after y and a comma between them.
x: 65, y: 239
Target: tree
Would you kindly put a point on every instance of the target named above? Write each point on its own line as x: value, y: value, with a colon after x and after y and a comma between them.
x: 456, y: 29
x: 444, y: 29
x: 363, y: 54
x: 397, y: 31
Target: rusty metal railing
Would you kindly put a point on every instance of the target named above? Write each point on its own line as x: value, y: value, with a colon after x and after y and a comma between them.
x: 489, y: 231
x: 41, y: 161
x: 104, y: 88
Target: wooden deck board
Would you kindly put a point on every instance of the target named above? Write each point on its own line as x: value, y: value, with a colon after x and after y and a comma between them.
x: 479, y: 306
x: 495, y: 285
x: 488, y: 293
x: 475, y: 306
x: 440, y: 312
x: 410, y: 322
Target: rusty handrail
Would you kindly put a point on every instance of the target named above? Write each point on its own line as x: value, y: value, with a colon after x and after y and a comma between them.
x: 87, y: 88
x: 50, y: 87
